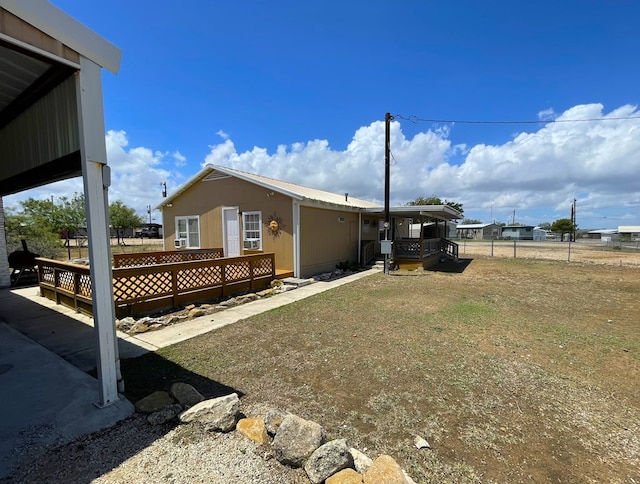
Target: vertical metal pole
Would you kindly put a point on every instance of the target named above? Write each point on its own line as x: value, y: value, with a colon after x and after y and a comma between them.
x: 514, y: 249
x: 96, y: 178
x: 491, y: 247
x: 387, y: 170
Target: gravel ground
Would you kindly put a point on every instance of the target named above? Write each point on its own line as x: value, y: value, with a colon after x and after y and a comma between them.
x: 135, y: 451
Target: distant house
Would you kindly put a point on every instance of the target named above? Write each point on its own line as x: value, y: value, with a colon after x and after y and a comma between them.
x: 310, y: 231
x: 631, y: 231
x: 478, y: 231
x: 605, y: 235
x: 521, y: 232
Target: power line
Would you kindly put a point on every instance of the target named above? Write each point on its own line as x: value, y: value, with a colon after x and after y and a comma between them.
x: 415, y: 119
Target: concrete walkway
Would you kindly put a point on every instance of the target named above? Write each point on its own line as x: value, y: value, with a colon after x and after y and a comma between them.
x: 46, y: 349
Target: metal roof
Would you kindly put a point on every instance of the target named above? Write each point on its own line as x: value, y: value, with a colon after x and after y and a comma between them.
x: 292, y: 190
x: 314, y: 196
x: 473, y: 226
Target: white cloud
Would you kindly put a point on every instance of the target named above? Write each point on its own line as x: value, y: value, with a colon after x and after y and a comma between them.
x: 136, y: 177
x: 539, y: 171
x: 544, y: 168
x: 179, y: 159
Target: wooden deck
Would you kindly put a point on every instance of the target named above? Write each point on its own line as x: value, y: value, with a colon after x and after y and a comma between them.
x: 150, y: 288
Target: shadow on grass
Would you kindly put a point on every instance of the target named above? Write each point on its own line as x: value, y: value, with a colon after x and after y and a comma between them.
x: 149, y: 373
x: 458, y: 266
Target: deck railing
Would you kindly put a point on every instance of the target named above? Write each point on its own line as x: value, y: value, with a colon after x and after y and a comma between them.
x: 145, y: 289
x: 449, y: 247
x: 367, y: 251
x: 415, y: 248
x: 151, y: 258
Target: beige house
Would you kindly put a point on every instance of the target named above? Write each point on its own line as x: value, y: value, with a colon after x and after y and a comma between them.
x: 309, y: 230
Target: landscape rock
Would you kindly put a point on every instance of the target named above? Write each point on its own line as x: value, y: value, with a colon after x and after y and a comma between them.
x: 175, y: 319
x: 273, y: 419
x: 421, y: 443
x: 125, y: 324
x: 156, y: 327
x: 246, y: 298
x: 361, y: 462
x: 154, y: 402
x: 345, y: 476
x: 254, y: 429
x: 196, y: 313
x: 385, y: 469
x: 185, y: 394
x: 265, y: 293
x: 328, y: 459
x: 296, y: 440
x: 164, y: 415
x: 139, y: 327
x: 229, y: 303
x: 216, y: 414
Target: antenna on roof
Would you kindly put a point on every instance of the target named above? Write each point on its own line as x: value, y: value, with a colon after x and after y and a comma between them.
x: 346, y: 197
x: 164, y: 189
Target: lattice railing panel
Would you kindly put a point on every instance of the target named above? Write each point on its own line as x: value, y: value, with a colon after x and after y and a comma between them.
x: 142, y: 285
x: 199, y: 277
x: 171, y: 257
x: 142, y: 260
x: 237, y: 271
x: 65, y: 280
x: 47, y: 274
x: 84, y: 285
x: 262, y: 267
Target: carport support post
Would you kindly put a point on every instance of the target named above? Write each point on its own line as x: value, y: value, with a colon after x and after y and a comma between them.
x: 96, y: 178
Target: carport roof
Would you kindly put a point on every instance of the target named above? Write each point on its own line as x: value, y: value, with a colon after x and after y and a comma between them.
x: 41, y: 47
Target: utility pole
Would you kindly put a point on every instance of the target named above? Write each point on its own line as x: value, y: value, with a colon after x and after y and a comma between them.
x: 387, y: 170
x: 149, y: 212
x: 514, y: 217
x: 572, y: 236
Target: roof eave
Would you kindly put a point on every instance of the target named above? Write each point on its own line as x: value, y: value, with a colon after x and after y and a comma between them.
x: 57, y: 24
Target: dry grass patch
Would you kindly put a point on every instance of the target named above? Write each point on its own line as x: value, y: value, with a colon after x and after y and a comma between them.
x: 514, y: 370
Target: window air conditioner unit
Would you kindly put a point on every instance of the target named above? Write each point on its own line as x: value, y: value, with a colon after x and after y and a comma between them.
x: 178, y: 243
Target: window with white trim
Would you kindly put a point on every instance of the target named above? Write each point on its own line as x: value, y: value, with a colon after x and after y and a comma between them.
x: 252, y: 230
x: 188, y: 232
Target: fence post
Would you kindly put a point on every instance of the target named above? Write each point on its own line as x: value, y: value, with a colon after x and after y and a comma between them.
x: 569, y: 251
x: 514, y: 249
x: 491, y: 247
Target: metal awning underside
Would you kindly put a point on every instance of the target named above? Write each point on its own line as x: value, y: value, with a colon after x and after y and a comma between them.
x: 40, y: 53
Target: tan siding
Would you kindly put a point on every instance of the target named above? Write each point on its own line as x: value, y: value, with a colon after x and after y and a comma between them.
x: 207, y: 199
x: 325, y: 240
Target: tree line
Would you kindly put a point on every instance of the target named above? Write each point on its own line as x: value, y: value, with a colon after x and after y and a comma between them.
x: 48, y: 226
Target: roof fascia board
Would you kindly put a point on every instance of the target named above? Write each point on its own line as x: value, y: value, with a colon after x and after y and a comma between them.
x: 54, y: 22
x: 32, y: 49
x: 268, y: 186
x: 192, y: 181
x: 310, y: 202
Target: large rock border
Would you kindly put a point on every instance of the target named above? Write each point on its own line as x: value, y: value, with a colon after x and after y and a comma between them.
x: 295, y: 442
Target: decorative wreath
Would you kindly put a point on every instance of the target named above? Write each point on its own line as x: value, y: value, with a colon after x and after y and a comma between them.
x: 274, y: 224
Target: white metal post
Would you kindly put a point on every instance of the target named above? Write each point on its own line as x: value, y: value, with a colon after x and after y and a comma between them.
x: 96, y: 177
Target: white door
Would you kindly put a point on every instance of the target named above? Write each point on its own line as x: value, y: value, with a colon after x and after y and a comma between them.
x: 231, y: 232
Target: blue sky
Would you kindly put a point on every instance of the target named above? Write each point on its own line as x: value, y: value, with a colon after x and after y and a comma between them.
x: 297, y: 90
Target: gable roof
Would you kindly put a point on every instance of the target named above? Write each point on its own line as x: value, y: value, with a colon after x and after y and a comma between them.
x: 292, y: 190
x: 313, y: 196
